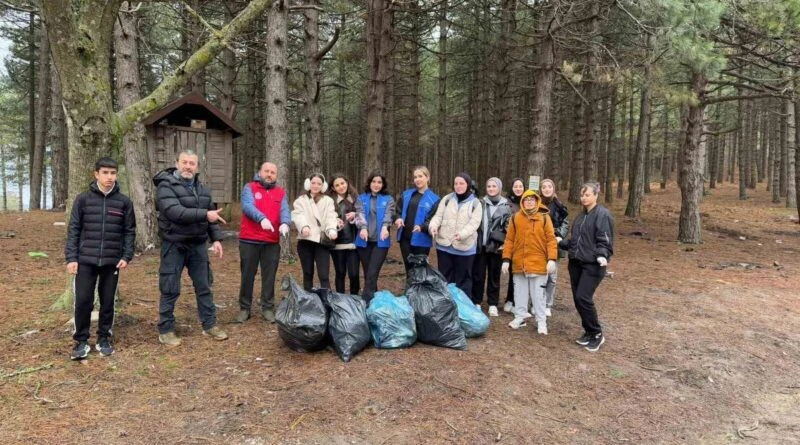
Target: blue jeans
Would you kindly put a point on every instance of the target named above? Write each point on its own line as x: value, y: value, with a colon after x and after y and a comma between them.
x: 174, y: 258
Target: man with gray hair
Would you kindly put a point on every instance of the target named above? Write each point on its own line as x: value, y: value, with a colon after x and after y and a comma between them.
x: 187, y: 219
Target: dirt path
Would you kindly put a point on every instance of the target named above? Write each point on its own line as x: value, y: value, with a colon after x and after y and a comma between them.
x: 703, y: 347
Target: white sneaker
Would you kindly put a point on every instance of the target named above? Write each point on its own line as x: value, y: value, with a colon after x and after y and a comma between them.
x: 509, y: 307
x: 542, y: 328
x: 478, y: 306
x: 526, y: 315
x: 548, y: 312
x: 493, y: 311
x: 517, y: 323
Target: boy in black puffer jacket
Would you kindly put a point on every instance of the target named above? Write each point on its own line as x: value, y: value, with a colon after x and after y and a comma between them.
x: 102, y: 230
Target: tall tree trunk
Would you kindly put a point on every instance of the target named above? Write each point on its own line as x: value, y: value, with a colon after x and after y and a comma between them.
x: 777, y: 144
x: 194, y: 36
x: 544, y: 74
x: 31, y: 93
x: 590, y: 92
x: 576, y: 166
x: 312, y: 79
x: 58, y: 143
x: 636, y: 193
x: 277, y: 126
x: 791, y: 144
x: 42, y: 121
x: 691, y: 170
x: 3, y: 178
x: 665, y: 173
x: 611, y: 147
x: 442, y: 141
x: 379, y: 33
x: 797, y: 154
x: 20, y: 179
x: 742, y: 152
x: 137, y: 159
x: 648, y: 154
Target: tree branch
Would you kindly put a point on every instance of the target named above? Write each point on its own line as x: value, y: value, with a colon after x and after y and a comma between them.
x: 318, y: 56
x: 18, y: 8
x: 197, y: 61
x: 561, y: 73
x: 716, y: 100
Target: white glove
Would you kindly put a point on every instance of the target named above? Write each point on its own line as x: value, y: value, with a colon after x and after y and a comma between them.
x: 558, y: 239
x: 504, y: 268
x: 552, y: 267
x: 602, y: 261
x: 267, y: 225
x: 284, y: 229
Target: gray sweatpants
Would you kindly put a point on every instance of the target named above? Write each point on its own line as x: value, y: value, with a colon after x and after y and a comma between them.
x: 529, y: 291
x: 550, y: 290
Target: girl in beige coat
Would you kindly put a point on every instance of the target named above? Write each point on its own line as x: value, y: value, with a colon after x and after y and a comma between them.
x: 314, y: 213
x: 454, y: 226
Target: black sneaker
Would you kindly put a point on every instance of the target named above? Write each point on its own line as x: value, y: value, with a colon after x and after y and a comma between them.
x: 80, y: 351
x: 584, y: 340
x: 104, y: 347
x: 595, y: 342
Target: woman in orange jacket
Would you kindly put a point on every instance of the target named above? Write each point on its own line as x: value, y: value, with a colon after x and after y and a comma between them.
x: 532, y: 249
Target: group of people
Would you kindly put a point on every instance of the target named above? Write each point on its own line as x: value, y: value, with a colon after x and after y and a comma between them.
x: 476, y: 240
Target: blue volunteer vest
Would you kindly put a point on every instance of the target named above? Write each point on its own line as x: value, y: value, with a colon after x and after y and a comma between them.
x: 426, y: 203
x: 382, y: 201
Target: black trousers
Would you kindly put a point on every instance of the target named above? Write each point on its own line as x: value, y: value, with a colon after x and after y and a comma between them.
x: 457, y: 269
x: 372, y: 259
x: 174, y: 258
x: 251, y: 257
x: 584, y: 278
x: 407, y: 249
x: 106, y: 279
x: 510, y: 291
x: 345, y: 264
x: 311, y: 253
x: 486, y: 264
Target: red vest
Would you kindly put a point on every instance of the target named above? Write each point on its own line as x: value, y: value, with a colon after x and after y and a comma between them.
x: 267, y: 202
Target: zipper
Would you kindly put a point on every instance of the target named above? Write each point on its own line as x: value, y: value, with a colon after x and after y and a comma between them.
x: 102, y: 233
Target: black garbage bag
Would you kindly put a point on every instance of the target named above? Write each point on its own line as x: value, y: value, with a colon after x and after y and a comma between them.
x: 347, y: 325
x: 435, y: 312
x: 302, y: 319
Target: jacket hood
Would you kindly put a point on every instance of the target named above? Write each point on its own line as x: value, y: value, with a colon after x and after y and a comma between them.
x: 168, y: 175
x: 541, y: 207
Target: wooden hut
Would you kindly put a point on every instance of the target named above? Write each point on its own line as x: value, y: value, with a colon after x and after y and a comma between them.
x: 194, y: 123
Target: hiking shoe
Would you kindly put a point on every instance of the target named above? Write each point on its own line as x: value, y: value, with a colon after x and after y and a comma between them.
x: 268, y: 315
x: 80, y: 351
x: 517, y: 323
x: 584, y: 339
x: 242, y: 316
x: 595, y: 342
x: 548, y: 312
x: 542, y: 328
x: 104, y: 347
x: 508, y: 307
x: 493, y: 311
x: 216, y: 333
x: 169, y: 339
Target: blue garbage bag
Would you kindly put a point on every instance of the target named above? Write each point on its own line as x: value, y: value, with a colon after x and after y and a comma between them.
x: 302, y: 319
x: 391, y: 321
x: 435, y: 312
x: 473, y: 321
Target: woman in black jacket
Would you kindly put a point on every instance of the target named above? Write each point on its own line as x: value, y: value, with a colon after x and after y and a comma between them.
x: 345, y: 257
x: 517, y: 189
x: 559, y: 214
x: 590, y: 248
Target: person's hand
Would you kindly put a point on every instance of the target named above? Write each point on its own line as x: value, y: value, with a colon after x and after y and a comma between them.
x: 306, y: 231
x: 552, y: 267
x: 122, y: 264
x: 504, y: 268
x: 332, y: 234
x: 433, y: 231
x: 558, y: 239
x: 417, y: 229
x: 399, y: 223
x: 384, y: 233
x: 213, y: 216
x: 457, y: 237
x: 217, y: 246
x: 350, y: 216
x: 339, y: 223
x: 284, y: 229
x: 266, y: 224
x: 72, y: 268
x: 363, y: 234
x: 602, y: 261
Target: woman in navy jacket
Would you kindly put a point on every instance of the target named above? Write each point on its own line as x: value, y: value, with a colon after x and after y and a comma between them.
x: 374, y: 210
x: 412, y: 213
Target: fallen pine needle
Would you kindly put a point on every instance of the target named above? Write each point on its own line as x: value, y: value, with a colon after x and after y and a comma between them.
x: 451, y: 426
x: 36, y: 394
x: 298, y: 421
x: 548, y: 417
x: 742, y: 432
x: 26, y: 371
x: 657, y: 369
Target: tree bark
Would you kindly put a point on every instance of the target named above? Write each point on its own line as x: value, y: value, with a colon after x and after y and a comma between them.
x: 442, y: 140
x: 691, y: 169
x: 3, y: 178
x: 59, y: 146
x: 42, y: 122
x: 31, y: 94
x: 137, y: 159
x: 742, y: 153
x: 544, y: 74
x: 379, y: 33
x: 633, y: 208
x: 311, y: 80
x: 611, y: 147
x: 665, y: 173
x: 791, y: 144
x: 277, y: 127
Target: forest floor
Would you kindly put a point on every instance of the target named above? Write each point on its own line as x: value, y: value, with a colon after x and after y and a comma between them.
x: 703, y: 346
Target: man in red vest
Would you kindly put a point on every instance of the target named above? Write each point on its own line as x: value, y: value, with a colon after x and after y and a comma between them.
x: 264, y: 207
